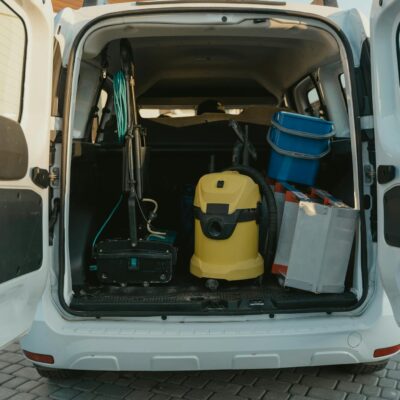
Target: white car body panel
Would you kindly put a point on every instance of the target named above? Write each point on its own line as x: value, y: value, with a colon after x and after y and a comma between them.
x: 156, y: 345
x: 19, y: 296
x: 385, y: 21
x: 190, y: 343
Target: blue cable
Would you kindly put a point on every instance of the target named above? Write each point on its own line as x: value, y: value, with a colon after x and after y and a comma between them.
x: 121, y: 104
x: 107, y: 221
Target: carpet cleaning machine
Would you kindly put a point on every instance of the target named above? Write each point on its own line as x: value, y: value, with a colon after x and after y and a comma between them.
x: 137, y: 260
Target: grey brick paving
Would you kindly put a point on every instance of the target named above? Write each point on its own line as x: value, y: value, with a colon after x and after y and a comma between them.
x: 371, y: 391
x: 3, y: 364
x: 85, y: 396
x: 198, y: 394
x: 393, y: 374
x: 14, y: 382
x: 250, y: 392
x: 139, y: 395
x: 390, y: 394
x: 300, y: 390
x: 353, y: 396
x: 109, y: 389
x: 274, y: 386
x: 159, y: 397
x: 4, y: 378
x: 349, y: 387
x: 367, y: 379
x: 276, y: 396
x: 23, y: 396
x: 6, y: 393
x: 290, y: 377
x: 327, y: 394
x: 20, y: 381
x: 244, y: 380
x: 28, y: 386
x: 301, y: 398
x: 319, y: 382
x: 387, y: 383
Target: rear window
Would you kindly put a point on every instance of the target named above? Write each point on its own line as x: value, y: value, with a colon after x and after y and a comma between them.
x: 342, y: 81
x: 154, y: 112
x: 314, y: 103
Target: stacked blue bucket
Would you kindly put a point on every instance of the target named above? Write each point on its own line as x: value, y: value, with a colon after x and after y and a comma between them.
x: 298, y: 142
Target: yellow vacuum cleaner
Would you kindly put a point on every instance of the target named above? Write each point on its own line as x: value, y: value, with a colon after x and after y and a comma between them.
x: 226, y: 209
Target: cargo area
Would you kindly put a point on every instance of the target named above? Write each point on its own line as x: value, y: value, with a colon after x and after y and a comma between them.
x: 205, y: 102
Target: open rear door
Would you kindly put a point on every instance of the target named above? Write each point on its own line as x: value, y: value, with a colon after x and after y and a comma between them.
x: 26, y: 49
x: 385, y: 50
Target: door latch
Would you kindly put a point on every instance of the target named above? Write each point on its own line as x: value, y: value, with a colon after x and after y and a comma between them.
x: 40, y: 177
x: 386, y: 173
x: 43, y: 178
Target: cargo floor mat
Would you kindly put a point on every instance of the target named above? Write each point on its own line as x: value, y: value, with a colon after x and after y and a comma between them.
x: 249, y: 299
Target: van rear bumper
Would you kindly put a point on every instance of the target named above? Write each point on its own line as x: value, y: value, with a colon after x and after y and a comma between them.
x: 156, y: 345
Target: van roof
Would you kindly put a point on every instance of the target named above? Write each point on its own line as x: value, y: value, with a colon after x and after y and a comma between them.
x: 69, y: 22
x: 95, y: 11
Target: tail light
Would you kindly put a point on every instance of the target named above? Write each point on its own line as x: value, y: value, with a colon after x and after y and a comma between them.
x: 386, y: 351
x: 42, y: 358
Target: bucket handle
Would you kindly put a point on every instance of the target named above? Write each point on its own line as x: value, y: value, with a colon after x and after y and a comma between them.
x: 307, y: 135
x: 296, y: 154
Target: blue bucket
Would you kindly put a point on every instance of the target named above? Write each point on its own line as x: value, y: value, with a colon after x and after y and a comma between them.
x: 297, y: 143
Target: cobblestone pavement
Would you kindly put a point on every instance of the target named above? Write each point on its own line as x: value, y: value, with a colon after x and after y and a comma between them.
x: 20, y: 381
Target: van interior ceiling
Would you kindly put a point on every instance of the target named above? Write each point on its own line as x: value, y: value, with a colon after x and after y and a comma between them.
x: 201, y: 99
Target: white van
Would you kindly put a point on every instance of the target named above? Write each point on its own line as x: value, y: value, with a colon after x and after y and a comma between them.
x: 60, y: 176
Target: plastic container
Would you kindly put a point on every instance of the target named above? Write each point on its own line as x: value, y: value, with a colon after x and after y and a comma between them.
x: 298, y: 142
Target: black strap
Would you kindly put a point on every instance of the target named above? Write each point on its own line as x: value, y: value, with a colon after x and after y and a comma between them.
x: 241, y: 215
x: 220, y: 226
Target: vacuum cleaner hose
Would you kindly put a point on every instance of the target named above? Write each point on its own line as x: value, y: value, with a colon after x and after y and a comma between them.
x: 271, y: 214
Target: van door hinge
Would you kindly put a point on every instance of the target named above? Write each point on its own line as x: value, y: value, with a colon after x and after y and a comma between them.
x: 56, y: 124
x: 367, y: 126
x: 54, y: 176
x: 369, y: 173
x: 367, y: 122
x: 43, y: 178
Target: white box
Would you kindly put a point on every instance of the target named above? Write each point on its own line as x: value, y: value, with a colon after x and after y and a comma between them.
x: 320, y: 237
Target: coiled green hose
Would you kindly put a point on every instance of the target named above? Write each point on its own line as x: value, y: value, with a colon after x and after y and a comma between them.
x: 121, y: 105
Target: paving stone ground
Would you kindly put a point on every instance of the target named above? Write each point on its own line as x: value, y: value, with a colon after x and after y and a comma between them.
x: 20, y: 381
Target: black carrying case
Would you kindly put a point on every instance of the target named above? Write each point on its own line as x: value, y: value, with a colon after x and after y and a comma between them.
x: 148, y: 262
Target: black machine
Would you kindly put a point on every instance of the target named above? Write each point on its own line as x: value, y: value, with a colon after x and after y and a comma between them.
x: 149, y: 262
x: 136, y: 260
